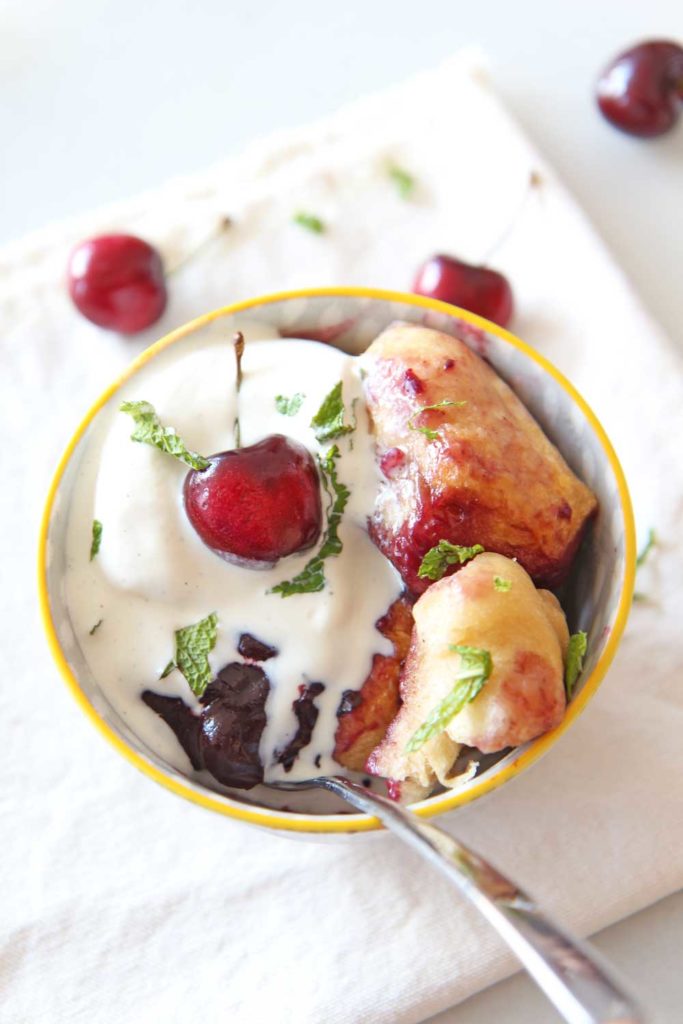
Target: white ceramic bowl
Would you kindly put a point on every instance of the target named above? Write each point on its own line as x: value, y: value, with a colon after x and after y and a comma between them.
x: 599, y: 594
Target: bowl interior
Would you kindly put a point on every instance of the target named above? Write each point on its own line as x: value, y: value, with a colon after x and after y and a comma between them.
x: 595, y: 597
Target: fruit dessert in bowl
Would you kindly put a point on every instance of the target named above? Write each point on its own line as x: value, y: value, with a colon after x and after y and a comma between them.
x: 336, y: 532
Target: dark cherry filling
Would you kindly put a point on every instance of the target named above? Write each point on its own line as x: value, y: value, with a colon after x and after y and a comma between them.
x: 463, y: 520
x: 431, y: 522
x: 564, y: 511
x: 306, y: 715
x: 349, y: 702
x: 255, y: 650
x: 391, y: 460
x: 233, y: 720
x: 224, y: 738
x: 412, y: 384
x: 178, y: 717
x: 393, y: 790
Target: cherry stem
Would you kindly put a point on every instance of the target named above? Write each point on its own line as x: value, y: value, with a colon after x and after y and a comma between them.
x: 534, y: 183
x: 238, y: 346
x: 222, y: 226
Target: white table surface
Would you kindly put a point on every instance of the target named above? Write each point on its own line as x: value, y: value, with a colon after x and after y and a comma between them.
x: 102, y: 100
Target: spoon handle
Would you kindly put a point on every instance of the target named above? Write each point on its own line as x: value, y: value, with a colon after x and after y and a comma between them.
x: 571, y: 974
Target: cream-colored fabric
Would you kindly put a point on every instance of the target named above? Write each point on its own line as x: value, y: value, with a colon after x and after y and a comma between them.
x: 121, y: 902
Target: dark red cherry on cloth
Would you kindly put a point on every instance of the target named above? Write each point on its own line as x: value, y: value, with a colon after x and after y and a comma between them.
x: 476, y: 288
x: 641, y: 91
x: 255, y: 505
x: 117, y: 282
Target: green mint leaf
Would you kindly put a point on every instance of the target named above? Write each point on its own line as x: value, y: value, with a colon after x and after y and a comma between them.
x: 96, y: 538
x: 436, y: 561
x: 647, y: 548
x: 289, y: 406
x: 501, y: 584
x: 96, y: 627
x: 328, y: 422
x: 312, y: 577
x: 193, y: 644
x: 578, y: 642
x: 310, y: 222
x: 149, y: 430
x: 475, y: 668
x: 405, y: 182
x: 430, y: 434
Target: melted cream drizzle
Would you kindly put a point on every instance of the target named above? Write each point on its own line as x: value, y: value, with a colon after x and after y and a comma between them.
x: 153, y: 574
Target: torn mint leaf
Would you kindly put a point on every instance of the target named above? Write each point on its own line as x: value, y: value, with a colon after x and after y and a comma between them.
x: 430, y: 434
x: 650, y: 542
x: 312, y: 577
x: 578, y: 643
x: 193, y: 644
x: 96, y: 538
x: 289, y: 406
x: 405, y: 182
x: 328, y: 422
x: 310, y: 222
x: 434, y: 564
x: 475, y: 668
x: 149, y: 430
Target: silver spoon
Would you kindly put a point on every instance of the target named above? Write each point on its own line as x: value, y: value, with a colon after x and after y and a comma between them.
x: 572, y: 975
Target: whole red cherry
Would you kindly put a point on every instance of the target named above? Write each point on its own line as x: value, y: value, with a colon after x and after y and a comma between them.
x: 257, y: 504
x: 477, y: 288
x: 641, y: 91
x: 117, y: 281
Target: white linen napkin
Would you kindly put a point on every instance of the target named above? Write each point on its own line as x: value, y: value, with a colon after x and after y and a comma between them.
x: 123, y: 903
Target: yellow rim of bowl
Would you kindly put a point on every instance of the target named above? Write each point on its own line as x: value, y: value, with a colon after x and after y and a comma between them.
x: 343, y: 822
